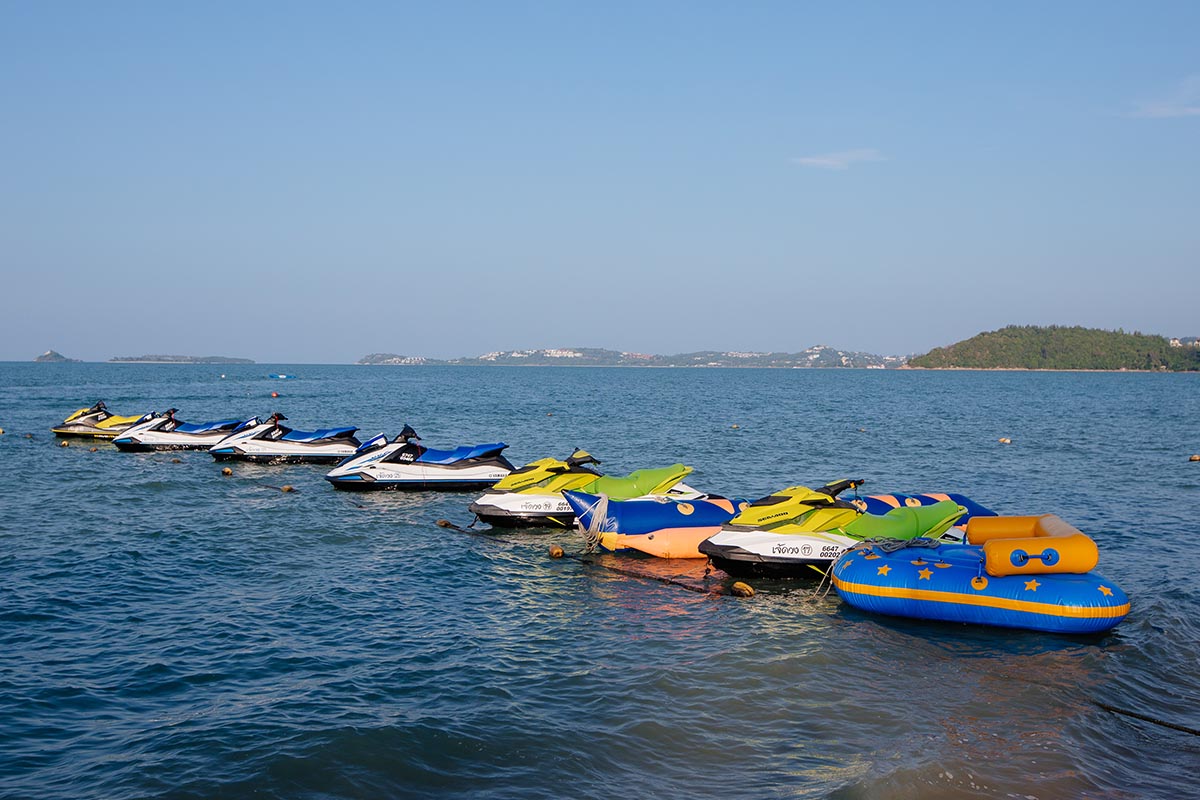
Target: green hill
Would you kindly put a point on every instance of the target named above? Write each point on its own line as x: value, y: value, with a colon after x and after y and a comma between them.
x: 1057, y: 347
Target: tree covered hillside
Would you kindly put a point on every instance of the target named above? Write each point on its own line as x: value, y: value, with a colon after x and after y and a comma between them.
x: 1056, y: 347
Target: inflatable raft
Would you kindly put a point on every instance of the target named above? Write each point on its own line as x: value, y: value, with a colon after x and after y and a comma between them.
x: 1014, y: 572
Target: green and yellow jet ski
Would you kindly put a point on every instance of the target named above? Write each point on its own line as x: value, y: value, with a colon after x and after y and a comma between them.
x: 95, y: 423
x: 800, y: 531
x: 532, y: 495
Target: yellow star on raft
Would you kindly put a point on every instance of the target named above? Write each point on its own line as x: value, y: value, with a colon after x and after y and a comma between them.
x: 885, y: 569
x: 1031, y: 586
x: 926, y: 574
x: 1104, y: 590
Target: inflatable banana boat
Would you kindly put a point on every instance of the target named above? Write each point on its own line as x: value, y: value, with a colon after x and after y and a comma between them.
x: 660, y: 526
x: 1030, y: 572
x: 883, y: 503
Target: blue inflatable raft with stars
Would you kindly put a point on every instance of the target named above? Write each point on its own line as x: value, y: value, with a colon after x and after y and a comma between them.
x: 1014, y: 572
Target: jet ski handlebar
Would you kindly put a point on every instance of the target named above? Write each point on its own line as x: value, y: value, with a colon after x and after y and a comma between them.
x: 837, y: 487
x: 579, y: 458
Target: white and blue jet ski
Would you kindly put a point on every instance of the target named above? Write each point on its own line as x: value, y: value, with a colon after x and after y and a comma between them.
x: 272, y: 442
x: 404, y: 464
x: 166, y: 432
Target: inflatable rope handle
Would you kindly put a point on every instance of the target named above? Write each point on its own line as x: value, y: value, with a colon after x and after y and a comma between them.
x: 1042, y: 555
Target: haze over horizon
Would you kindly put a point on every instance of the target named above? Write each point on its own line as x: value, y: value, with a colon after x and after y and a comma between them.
x: 304, y: 183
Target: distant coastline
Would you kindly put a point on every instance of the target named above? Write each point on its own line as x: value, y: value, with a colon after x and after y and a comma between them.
x: 1156, y: 371
x: 819, y: 356
x: 161, y: 359
x: 1074, y: 348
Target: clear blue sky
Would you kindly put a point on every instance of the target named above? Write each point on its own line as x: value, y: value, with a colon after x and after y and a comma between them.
x: 311, y: 182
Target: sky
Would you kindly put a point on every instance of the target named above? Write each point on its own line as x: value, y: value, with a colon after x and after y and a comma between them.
x: 304, y: 182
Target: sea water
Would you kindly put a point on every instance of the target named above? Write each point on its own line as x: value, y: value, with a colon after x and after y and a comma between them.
x: 167, y: 632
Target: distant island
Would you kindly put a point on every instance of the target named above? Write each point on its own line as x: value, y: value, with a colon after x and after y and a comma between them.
x: 55, y: 357
x: 818, y: 356
x: 1064, y: 348
x: 179, y: 360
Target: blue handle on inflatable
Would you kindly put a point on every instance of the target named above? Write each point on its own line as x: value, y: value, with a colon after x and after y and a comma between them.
x: 1049, y: 557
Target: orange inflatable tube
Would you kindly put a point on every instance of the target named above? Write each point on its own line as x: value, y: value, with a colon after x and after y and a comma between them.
x: 1039, y: 545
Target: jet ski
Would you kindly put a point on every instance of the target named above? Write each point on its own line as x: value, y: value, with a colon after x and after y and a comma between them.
x: 533, y: 495
x: 96, y: 422
x: 800, y: 531
x: 273, y: 442
x: 660, y: 526
x: 165, y: 432
x: 404, y: 464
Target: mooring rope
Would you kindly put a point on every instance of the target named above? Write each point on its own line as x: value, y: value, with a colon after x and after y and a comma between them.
x: 1144, y: 718
x: 582, y: 559
x: 591, y: 534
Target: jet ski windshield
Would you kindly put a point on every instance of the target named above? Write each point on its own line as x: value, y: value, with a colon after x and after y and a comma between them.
x: 406, y: 434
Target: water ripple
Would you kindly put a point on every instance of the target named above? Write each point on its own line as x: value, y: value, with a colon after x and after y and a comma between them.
x: 168, y: 632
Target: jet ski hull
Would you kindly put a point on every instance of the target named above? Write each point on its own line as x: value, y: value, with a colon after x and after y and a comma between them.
x: 86, y: 432
x: 756, y: 553
x: 185, y: 441
x: 501, y: 519
x: 358, y: 483
x: 236, y: 453
x: 523, y: 510
x: 767, y: 555
x: 137, y: 446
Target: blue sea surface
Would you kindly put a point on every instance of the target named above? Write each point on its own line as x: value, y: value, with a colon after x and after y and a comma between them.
x: 167, y: 632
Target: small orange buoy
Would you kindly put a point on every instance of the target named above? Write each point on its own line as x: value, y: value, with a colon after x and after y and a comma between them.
x: 556, y: 551
x: 740, y: 589
x: 94, y: 449
x: 1005, y: 440
x: 64, y: 444
x: 1195, y: 457
x: 287, y: 487
x: 1, y: 431
x: 274, y: 394
x: 227, y: 472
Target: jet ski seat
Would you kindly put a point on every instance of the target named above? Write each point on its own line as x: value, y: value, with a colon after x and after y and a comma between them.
x: 313, y: 436
x: 205, y: 427
x: 638, y: 483
x: 460, y: 453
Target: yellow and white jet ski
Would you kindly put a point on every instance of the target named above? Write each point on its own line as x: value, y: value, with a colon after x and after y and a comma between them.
x: 96, y: 422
